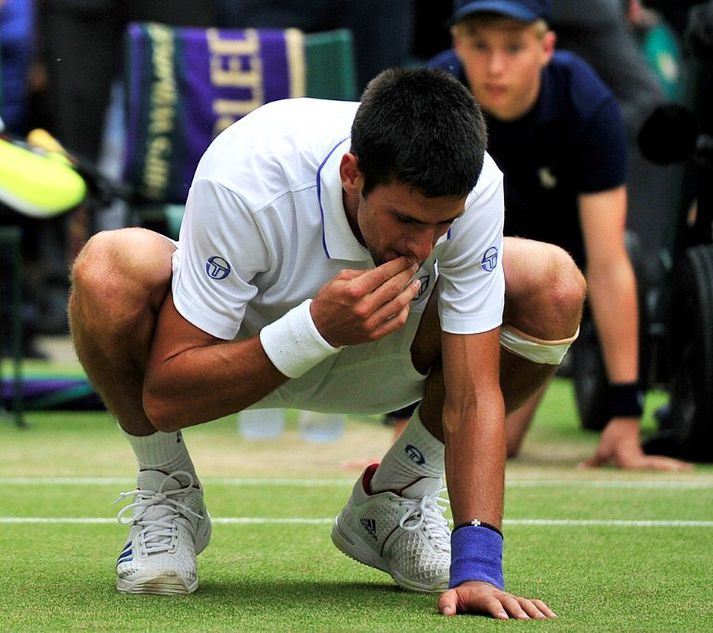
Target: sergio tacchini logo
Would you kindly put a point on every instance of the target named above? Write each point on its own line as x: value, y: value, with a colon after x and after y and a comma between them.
x: 217, y: 268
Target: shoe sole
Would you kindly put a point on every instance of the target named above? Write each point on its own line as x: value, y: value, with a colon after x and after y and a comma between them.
x: 165, y: 585
x: 355, y: 548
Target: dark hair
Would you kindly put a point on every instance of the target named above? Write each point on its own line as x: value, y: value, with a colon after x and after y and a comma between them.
x: 419, y: 127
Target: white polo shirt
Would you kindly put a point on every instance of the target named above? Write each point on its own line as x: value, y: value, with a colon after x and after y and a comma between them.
x: 265, y: 227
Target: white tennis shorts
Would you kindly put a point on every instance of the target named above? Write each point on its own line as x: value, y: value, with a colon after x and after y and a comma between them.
x: 375, y: 377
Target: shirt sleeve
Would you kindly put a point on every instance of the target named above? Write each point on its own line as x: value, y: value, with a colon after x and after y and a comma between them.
x: 220, y: 250
x: 471, y: 278
x: 602, y: 150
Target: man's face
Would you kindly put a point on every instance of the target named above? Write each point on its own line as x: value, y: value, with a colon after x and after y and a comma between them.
x: 395, y: 220
x: 502, y: 61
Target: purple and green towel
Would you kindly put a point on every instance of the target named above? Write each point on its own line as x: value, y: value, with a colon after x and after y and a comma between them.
x: 40, y: 393
x: 185, y: 85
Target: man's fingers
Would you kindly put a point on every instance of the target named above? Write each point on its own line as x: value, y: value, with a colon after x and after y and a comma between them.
x: 497, y: 608
x: 393, y: 305
x: 659, y: 462
x: 348, y: 274
x: 536, y: 609
x: 393, y: 314
x: 392, y: 324
x: 370, y: 280
x: 346, y: 315
x: 497, y: 604
x: 513, y: 608
x: 392, y: 288
x: 678, y: 465
x: 648, y: 462
x: 448, y: 602
x: 509, y: 606
x: 544, y: 608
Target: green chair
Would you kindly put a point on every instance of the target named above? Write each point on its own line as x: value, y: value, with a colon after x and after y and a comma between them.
x: 330, y: 65
x: 177, y: 99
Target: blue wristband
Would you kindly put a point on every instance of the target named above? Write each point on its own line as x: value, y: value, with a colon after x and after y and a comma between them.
x: 476, y: 554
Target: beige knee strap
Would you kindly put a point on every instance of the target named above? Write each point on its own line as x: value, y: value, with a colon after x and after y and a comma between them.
x: 535, y: 349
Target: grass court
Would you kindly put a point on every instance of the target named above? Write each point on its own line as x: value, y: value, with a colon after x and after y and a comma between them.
x: 608, y: 550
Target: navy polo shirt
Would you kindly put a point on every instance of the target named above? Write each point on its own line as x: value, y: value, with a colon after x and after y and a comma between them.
x: 572, y: 141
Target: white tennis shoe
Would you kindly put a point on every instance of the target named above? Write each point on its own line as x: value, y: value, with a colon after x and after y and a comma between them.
x: 169, y: 527
x: 404, y: 534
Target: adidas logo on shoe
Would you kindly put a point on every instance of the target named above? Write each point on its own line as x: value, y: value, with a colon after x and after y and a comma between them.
x: 370, y: 526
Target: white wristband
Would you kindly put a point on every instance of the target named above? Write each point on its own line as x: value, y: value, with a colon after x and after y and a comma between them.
x: 293, y: 342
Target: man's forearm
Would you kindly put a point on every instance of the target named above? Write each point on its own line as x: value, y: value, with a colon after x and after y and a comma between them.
x: 475, y: 462
x: 614, y: 307
x: 614, y: 304
x: 208, y: 382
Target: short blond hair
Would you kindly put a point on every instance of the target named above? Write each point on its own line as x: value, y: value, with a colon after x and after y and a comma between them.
x: 486, y: 19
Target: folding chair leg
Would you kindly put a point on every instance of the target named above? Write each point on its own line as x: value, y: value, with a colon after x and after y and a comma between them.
x: 12, y: 237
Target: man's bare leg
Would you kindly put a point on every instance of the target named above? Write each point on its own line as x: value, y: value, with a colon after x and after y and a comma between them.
x: 545, y: 313
x: 518, y: 422
x: 542, y: 301
x: 119, y: 282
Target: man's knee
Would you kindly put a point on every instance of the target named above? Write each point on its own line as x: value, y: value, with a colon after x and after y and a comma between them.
x: 544, y: 290
x: 566, y: 288
x: 121, y: 271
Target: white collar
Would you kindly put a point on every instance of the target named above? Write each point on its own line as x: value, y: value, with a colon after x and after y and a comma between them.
x: 338, y: 239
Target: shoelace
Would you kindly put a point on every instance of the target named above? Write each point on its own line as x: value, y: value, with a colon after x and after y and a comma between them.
x: 158, y: 533
x: 429, y: 511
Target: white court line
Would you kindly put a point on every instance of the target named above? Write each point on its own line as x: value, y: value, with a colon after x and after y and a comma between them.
x: 313, y: 483
x: 308, y: 521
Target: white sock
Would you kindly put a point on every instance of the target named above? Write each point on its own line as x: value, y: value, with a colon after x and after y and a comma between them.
x: 415, y: 454
x: 166, y: 452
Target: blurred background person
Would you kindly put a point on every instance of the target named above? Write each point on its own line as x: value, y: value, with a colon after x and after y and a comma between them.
x: 557, y: 133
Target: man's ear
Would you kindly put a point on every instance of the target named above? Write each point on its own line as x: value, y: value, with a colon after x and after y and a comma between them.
x: 351, y: 177
x: 457, y: 41
x: 548, y: 43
